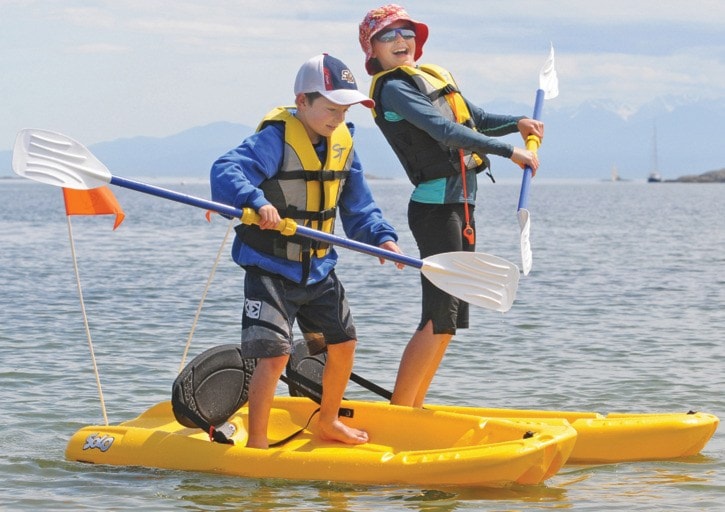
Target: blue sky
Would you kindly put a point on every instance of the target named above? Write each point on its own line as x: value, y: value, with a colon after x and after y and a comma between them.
x: 102, y: 70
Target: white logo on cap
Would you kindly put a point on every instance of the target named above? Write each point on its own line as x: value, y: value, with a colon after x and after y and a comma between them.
x: 346, y: 75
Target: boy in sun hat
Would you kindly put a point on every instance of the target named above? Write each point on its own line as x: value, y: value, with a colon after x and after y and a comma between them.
x: 300, y: 164
x: 441, y: 140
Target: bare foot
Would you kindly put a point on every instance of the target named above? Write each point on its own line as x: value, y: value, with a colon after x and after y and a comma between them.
x: 338, y: 431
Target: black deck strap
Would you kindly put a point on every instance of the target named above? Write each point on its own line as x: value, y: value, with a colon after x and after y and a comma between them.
x: 302, y: 385
x: 311, y: 390
x: 222, y: 434
x: 295, y: 434
x: 305, y: 368
x: 344, y: 411
x: 371, y: 386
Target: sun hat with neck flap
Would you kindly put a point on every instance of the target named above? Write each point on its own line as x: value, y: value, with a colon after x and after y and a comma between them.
x: 378, y: 19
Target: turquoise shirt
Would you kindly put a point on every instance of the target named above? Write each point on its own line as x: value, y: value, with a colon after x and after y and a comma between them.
x: 446, y: 190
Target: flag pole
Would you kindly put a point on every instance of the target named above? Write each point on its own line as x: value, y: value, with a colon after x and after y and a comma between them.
x: 232, y: 222
x: 85, y: 320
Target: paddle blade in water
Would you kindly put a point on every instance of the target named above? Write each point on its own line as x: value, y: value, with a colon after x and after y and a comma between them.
x: 55, y: 159
x: 527, y: 259
x: 478, y: 278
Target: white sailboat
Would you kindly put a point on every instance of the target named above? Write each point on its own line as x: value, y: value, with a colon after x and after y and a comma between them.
x: 615, y: 174
x: 654, y: 175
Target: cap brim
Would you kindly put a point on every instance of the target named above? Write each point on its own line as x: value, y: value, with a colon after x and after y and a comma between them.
x: 348, y: 97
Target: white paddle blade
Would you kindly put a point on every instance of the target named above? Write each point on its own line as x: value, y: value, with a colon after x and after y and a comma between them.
x: 548, y: 81
x: 527, y: 258
x: 55, y: 159
x: 477, y: 278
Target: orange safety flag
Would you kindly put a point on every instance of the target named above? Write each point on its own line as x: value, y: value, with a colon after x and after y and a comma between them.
x: 95, y: 201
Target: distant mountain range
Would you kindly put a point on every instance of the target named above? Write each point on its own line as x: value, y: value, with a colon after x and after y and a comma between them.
x: 586, y: 142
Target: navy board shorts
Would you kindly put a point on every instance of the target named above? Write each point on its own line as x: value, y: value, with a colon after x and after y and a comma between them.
x: 272, y: 304
x: 438, y: 228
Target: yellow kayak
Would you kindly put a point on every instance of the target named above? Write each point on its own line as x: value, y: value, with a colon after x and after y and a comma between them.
x: 407, y: 446
x: 619, y: 437
x: 616, y: 437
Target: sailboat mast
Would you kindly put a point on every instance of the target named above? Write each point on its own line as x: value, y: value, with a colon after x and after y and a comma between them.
x: 654, y: 175
x: 655, y: 164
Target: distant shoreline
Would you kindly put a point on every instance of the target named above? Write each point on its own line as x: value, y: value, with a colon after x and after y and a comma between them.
x: 707, y: 177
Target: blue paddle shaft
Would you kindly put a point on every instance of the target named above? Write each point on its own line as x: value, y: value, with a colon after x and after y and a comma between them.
x: 526, y: 179
x: 237, y: 213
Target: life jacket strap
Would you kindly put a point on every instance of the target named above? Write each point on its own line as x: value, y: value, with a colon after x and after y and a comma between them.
x: 321, y: 175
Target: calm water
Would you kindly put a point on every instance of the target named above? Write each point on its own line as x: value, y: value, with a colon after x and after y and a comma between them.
x: 622, y: 312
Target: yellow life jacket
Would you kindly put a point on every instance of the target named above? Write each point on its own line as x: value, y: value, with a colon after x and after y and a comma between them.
x: 304, y: 189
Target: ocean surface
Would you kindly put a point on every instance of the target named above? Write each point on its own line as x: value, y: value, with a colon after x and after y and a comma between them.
x: 624, y: 311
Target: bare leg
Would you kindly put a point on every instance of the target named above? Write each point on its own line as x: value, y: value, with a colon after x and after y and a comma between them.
x: 334, y: 381
x: 444, y: 340
x: 418, y: 366
x: 261, y: 395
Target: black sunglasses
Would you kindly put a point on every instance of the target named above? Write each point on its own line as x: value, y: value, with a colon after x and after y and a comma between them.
x: 389, y: 36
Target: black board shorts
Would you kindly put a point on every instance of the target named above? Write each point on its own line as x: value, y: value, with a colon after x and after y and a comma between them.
x: 272, y: 304
x: 438, y: 228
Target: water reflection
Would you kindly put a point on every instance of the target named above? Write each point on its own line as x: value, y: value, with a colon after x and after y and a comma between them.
x: 243, y: 494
